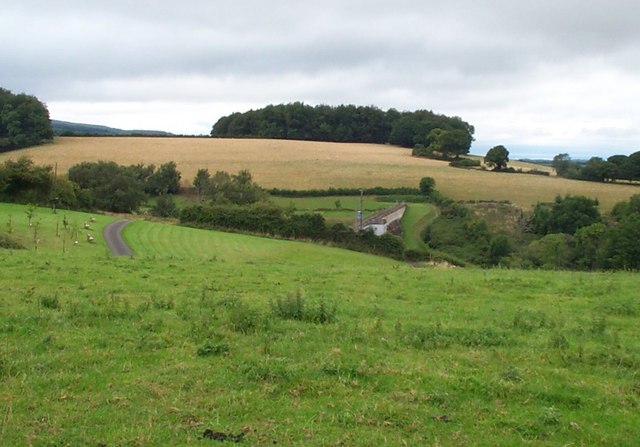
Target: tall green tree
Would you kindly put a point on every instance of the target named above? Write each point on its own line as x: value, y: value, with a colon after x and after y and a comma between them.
x: 200, y: 182
x: 166, y: 180
x: 497, y: 157
x: 451, y: 143
x: 565, y: 215
x: 24, y: 121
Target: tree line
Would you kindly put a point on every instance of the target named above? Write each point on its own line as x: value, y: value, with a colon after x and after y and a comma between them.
x: 569, y: 233
x: 597, y: 169
x: 101, y: 185
x: 24, y: 121
x: 350, y: 123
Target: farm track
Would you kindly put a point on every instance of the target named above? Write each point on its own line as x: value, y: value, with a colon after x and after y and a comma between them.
x: 113, y: 237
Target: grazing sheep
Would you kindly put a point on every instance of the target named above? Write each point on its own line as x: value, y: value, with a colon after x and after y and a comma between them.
x: 89, y: 238
x: 86, y: 226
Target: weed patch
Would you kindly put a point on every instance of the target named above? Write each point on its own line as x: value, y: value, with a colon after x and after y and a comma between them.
x: 213, y: 349
x: 295, y: 307
x: 437, y: 337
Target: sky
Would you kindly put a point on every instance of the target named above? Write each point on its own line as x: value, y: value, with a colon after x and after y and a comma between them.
x: 541, y: 78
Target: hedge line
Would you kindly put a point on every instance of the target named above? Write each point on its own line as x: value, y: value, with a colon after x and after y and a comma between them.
x: 375, y: 191
x: 273, y: 221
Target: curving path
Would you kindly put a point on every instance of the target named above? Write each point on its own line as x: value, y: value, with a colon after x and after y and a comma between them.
x: 113, y: 237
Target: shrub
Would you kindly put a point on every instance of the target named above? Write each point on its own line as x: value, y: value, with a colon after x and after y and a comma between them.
x: 50, y: 302
x: 9, y: 243
x: 165, y: 206
x: 243, y: 318
x: 464, y: 163
x: 213, y: 349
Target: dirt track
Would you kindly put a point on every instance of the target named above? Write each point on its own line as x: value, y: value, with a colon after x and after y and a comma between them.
x: 113, y: 237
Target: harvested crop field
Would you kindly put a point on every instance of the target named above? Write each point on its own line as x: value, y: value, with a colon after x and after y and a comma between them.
x: 307, y: 164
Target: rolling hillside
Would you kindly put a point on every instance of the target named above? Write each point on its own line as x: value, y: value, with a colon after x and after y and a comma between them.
x: 305, y: 165
x: 80, y: 129
x: 285, y: 343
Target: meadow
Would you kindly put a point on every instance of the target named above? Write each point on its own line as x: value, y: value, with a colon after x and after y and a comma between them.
x: 289, y: 343
x: 309, y: 165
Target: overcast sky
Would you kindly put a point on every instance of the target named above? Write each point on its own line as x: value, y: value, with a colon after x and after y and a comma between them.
x: 539, y: 77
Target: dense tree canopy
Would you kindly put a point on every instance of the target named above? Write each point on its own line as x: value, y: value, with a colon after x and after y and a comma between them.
x: 565, y: 215
x: 497, y: 157
x: 22, y: 181
x: 349, y: 123
x: 24, y: 121
x: 596, y: 169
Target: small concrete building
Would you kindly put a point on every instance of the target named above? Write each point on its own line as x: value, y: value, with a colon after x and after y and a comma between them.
x: 381, y: 221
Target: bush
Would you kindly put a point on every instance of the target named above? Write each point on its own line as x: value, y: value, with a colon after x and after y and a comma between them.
x: 375, y: 191
x: 464, y: 163
x: 243, y: 318
x: 427, y: 185
x: 165, y: 207
x: 9, y: 243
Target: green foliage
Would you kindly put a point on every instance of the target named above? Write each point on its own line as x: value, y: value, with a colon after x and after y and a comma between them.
x: 24, y: 121
x: 21, y: 181
x: 166, y: 180
x: 375, y: 191
x: 201, y: 182
x: 464, y: 163
x: 213, y: 349
x: 427, y: 185
x: 565, y: 215
x: 294, y: 306
x: 457, y: 232
x: 553, y: 251
x: 497, y: 157
x: 562, y: 164
x: 108, y: 186
x: 275, y: 221
x: 165, y: 206
x: 347, y: 123
x: 243, y: 317
x: 596, y: 169
x: 238, y: 189
x: 499, y: 248
x: 9, y: 243
x: 450, y: 142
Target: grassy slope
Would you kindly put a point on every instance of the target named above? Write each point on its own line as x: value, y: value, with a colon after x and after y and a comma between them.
x: 95, y: 349
x: 304, y: 165
x: 417, y: 217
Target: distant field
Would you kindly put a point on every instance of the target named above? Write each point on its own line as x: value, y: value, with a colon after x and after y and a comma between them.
x: 326, y: 206
x: 305, y: 165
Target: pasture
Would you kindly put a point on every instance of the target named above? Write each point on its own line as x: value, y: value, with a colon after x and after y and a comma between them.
x: 297, y: 344
x: 309, y: 165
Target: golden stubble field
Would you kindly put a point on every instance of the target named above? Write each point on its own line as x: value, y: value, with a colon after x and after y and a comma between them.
x: 306, y: 165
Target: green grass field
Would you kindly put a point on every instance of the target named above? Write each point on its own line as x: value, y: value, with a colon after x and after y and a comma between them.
x: 326, y: 206
x: 194, y: 332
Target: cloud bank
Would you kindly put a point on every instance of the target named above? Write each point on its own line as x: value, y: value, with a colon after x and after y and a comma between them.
x: 537, y: 78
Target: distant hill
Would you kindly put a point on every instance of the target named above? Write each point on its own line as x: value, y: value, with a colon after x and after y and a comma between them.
x: 65, y: 128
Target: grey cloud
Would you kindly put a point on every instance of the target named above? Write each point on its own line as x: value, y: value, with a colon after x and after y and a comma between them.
x: 480, y: 60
